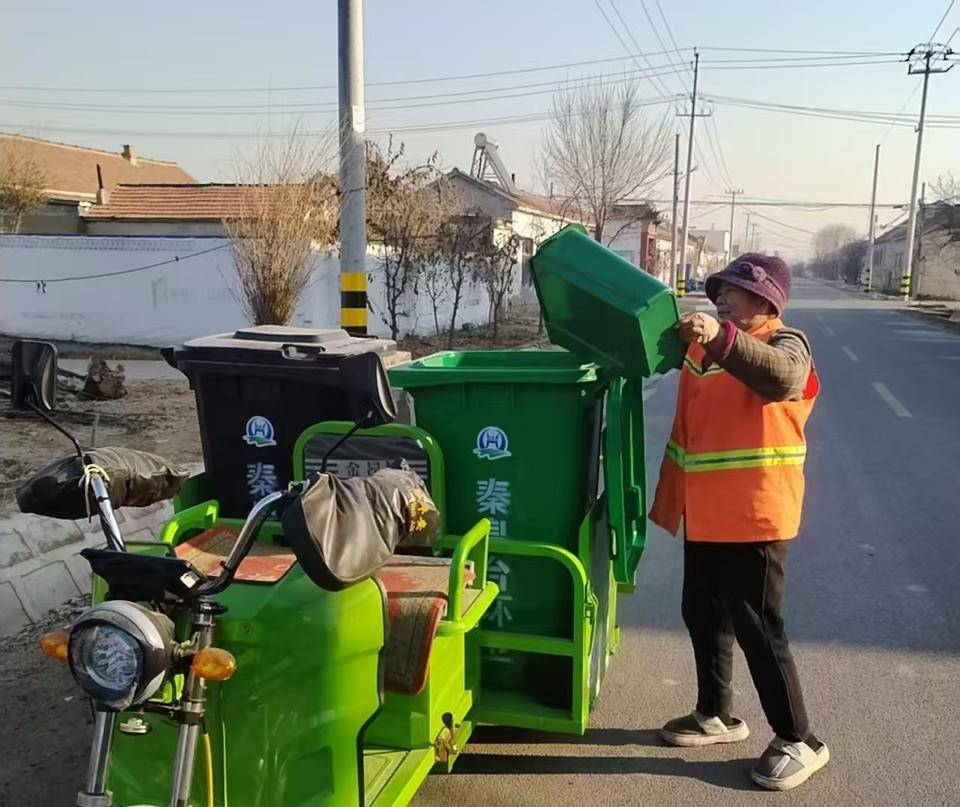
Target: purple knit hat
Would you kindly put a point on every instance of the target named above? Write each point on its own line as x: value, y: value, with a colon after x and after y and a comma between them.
x: 767, y: 277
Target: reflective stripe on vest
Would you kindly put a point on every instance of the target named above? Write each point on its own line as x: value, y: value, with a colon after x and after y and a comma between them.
x: 766, y: 457
x: 695, y: 368
x: 733, y: 469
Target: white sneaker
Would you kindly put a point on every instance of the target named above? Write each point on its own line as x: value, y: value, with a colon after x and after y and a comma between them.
x: 696, y: 729
x: 784, y: 765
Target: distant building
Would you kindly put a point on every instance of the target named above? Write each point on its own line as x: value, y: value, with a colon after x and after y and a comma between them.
x: 532, y: 217
x: 936, y: 267
x: 638, y: 233
x: 166, y: 209
x: 713, y: 251
x: 77, y: 177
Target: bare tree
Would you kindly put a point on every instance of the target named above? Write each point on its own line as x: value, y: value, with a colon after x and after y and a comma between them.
x: 601, y: 149
x: 829, y: 239
x: 461, y: 237
x: 946, y: 188
x: 22, y: 182
x: 287, y: 210
x: 404, y: 211
x: 436, y: 287
x: 494, y: 263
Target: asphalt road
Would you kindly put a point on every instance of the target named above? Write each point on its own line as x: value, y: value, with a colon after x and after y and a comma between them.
x: 872, y: 605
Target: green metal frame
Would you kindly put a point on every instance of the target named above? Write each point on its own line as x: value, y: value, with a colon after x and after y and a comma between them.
x: 423, y: 438
x: 623, y: 457
x: 511, y: 709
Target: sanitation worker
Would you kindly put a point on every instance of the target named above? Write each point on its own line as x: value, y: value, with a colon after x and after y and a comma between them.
x: 732, y: 476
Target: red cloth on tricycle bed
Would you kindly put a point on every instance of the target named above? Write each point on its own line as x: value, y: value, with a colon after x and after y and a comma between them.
x: 417, y: 594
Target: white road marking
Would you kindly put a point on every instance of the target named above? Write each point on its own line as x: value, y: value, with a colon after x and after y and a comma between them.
x: 850, y: 354
x: 898, y: 408
x: 830, y: 331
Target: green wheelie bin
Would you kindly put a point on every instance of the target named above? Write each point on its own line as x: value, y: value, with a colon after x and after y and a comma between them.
x: 548, y: 444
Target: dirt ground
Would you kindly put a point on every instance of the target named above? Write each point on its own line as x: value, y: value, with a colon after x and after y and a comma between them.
x: 45, y: 721
x: 520, y: 331
x: 157, y: 416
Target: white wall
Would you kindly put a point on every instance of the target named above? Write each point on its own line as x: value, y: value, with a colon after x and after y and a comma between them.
x: 168, y: 304
x: 717, y: 241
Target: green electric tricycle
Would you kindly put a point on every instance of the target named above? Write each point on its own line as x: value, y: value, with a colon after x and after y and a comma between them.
x: 221, y: 672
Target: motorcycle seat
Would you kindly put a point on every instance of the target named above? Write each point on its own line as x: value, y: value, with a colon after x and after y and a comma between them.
x: 417, y: 594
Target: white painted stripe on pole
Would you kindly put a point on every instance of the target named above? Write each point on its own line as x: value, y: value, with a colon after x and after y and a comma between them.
x: 648, y: 393
x: 898, y: 408
x: 850, y: 354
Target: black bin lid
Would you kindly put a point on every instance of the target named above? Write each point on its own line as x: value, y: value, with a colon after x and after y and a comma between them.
x: 269, y: 339
x: 324, y: 358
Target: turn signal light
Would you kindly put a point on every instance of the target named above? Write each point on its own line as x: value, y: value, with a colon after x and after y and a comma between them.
x: 214, y: 664
x: 54, y: 645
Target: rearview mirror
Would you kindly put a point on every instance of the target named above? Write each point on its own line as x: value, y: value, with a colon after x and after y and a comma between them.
x: 34, y: 375
x: 368, y: 388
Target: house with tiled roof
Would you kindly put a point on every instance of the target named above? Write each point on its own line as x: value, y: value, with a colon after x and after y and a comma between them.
x: 532, y: 217
x: 936, y: 265
x: 75, y: 177
x: 170, y: 209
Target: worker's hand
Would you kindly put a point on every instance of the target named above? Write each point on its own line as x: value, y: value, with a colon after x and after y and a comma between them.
x: 700, y: 328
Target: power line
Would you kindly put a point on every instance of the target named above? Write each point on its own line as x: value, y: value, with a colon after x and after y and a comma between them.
x: 713, y: 134
x: 327, y: 108
x: 837, y: 54
x: 312, y: 87
x: 507, y: 120
x: 656, y: 33
x: 296, y: 107
x: 666, y: 90
x: 942, y: 20
x: 893, y: 119
x: 906, y: 103
x: 702, y: 162
x: 759, y: 202
x: 824, y: 52
x: 777, y: 221
x: 670, y: 34
x: 800, y: 61
x: 175, y: 259
x: 793, y: 66
x: 306, y: 106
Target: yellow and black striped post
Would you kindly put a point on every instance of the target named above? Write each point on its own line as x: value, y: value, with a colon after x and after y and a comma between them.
x: 905, y: 285
x: 681, y: 282
x: 353, y: 302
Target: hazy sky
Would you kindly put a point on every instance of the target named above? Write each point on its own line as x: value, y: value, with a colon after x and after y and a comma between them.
x: 69, y: 47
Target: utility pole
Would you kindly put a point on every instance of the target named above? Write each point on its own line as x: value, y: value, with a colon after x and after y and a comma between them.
x: 918, y: 275
x: 672, y: 279
x: 681, y: 274
x: 353, y: 169
x: 746, y: 234
x: 754, y: 242
x: 920, y: 61
x: 871, y: 231
x: 733, y: 204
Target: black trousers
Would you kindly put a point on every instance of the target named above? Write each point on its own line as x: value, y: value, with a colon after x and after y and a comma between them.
x: 735, y: 590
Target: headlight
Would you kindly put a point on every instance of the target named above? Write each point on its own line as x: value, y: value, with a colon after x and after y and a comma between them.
x: 120, y: 652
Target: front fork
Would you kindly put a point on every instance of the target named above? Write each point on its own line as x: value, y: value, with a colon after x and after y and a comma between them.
x: 95, y: 794
x: 192, y: 709
x: 189, y: 715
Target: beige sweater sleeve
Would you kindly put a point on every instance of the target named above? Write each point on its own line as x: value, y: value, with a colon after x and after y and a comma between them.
x: 776, y: 370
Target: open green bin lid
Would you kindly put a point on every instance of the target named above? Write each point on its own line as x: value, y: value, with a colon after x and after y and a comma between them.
x: 603, y: 308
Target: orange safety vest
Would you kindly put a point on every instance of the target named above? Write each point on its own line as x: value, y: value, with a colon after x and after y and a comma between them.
x: 733, y: 469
